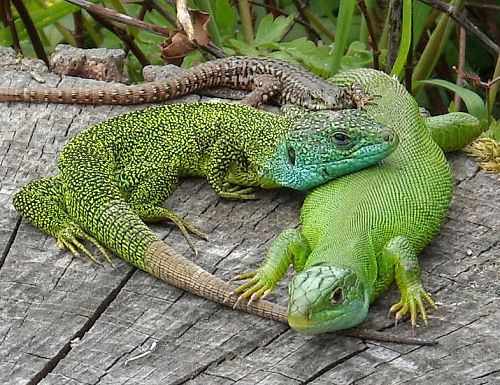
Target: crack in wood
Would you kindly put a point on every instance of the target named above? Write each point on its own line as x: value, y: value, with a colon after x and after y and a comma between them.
x: 65, y: 349
x: 10, y: 241
x: 331, y: 366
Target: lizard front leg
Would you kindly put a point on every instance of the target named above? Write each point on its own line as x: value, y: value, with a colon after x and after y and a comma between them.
x: 223, y: 156
x: 266, y: 88
x: 41, y: 202
x: 290, y: 247
x: 401, y: 254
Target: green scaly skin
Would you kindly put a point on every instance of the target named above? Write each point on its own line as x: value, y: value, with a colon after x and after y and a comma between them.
x: 120, y: 171
x: 455, y: 130
x: 362, y: 231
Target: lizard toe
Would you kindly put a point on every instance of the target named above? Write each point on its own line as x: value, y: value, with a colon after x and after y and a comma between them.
x: 241, y: 277
x: 412, y: 302
x: 243, y: 194
x: 69, y: 237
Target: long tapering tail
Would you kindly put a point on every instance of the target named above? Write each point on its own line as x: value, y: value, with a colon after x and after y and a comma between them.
x: 165, y: 263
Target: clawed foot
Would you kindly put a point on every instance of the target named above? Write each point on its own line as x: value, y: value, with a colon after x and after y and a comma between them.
x: 231, y: 191
x: 257, y: 288
x: 185, y: 227
x: 152, y: 213
x: 413, y: 301
x: 69, y: 238
x: 360, y: 98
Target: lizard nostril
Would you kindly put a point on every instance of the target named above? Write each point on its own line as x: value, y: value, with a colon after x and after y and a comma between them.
x: 387, y: 137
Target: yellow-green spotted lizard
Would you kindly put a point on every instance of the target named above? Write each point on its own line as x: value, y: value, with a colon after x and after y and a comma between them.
x: 117, y: 174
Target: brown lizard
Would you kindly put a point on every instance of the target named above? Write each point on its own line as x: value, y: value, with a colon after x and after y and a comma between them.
x: 266, y: 78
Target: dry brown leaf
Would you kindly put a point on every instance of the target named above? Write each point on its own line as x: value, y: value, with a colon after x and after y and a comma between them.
x: 179, y: 44
x: 184, y: 18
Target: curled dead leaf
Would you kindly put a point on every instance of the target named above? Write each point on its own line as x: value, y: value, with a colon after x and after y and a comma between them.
x: 178, y: 45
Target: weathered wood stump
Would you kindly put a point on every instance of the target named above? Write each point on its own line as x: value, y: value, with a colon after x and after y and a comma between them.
x: 66, y: 320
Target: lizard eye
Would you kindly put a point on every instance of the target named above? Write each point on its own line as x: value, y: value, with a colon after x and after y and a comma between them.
x: 337, y: 296
x: 343, y: 140
x: 291, y: 156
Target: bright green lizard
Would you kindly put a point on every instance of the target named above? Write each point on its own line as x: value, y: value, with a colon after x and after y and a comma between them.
x: 364, y: 230
x: 117, y: 174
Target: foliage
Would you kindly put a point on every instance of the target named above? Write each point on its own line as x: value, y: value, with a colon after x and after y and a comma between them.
x: 473, y: 101
x: 323, y: 36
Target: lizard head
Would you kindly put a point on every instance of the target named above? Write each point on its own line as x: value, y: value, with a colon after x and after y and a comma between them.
x: 326, y: 298
x: 323, y: 145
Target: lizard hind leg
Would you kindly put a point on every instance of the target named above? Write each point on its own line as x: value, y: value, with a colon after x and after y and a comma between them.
x: 153, y: 213
x: 69, y: 237
x: 41, y: 202
x: 147, y: 197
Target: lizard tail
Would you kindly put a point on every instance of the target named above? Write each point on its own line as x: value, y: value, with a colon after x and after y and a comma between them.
x: 124, y: 95
x: 188, y: 81
x: 165, y: 263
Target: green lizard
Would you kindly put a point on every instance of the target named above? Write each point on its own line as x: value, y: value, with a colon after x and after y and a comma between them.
x: 120, y: 171
x: 362, y: 231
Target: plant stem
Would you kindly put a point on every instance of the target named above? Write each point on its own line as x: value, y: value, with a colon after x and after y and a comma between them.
x: 405, y: 43
x: 246, y: 21
x: 434, y: 47
x: 344, y: 22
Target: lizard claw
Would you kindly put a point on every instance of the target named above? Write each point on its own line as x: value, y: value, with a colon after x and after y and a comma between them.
x: 360, y: 98
x: 234, y: 191
x: 259, y: 294
x: 256, y: 288
x: 238, y: 301
x: 241, y: 194
x: 412, y: 301
x: 185, y: 228
x: 68, y: 238
x: 153, y: 213
x: 234, y: 188
x: 241, y: 277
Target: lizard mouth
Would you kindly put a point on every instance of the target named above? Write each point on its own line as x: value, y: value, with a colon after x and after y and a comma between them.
x: 327, y: 320
x: 364, y: 156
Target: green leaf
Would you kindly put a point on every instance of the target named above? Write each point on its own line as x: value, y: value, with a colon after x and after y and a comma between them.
x: 282, y: 55
x: 344, y: 24
x: 154, y: 17
x: 243, y: 48
x: 306, y: 52
x: 473, y: 101
x: 494, y: 130
x: 357, y: 56
x: 41, y: 17
x: 421, y: 14
x: 272, y: 31
x: 193, y: 58
x: 225, y: 17
x: 405, y: 43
